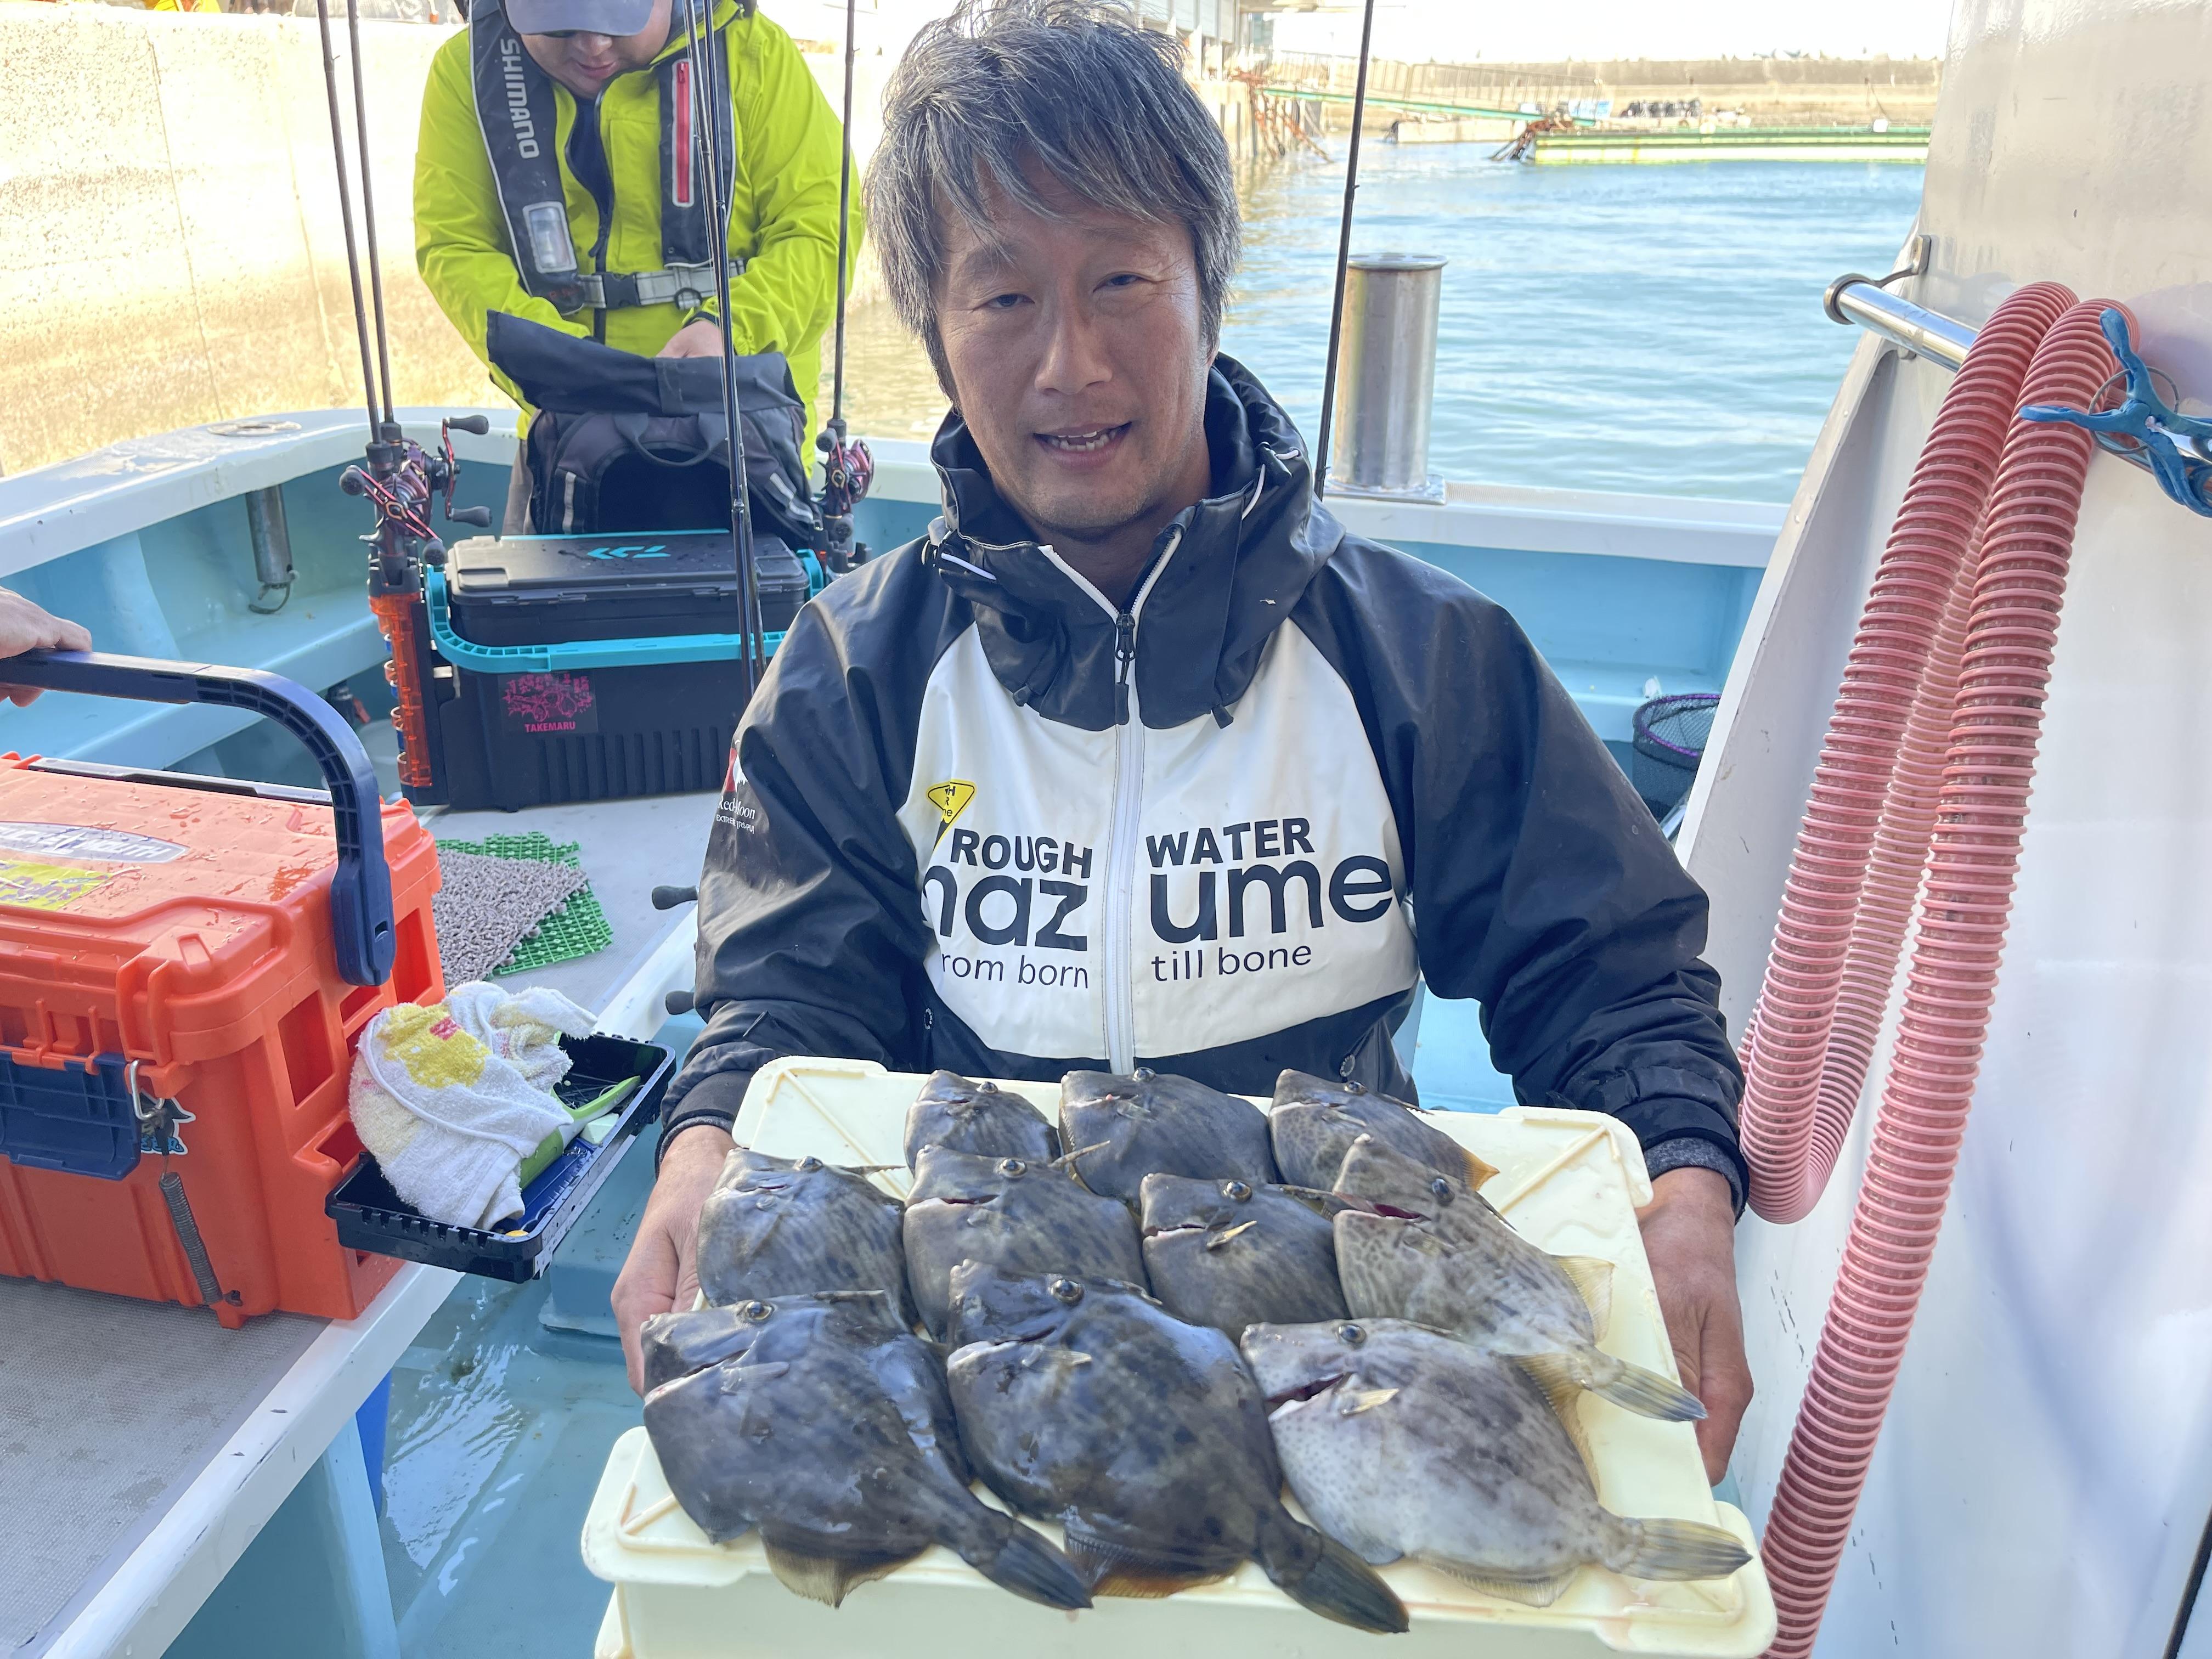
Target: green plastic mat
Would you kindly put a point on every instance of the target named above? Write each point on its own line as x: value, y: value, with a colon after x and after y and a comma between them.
x: 576, y: 929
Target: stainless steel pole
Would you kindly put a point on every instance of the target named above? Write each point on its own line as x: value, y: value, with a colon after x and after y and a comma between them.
x: 1388, y: 379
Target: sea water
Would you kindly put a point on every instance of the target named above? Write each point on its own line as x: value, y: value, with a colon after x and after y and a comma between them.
x: 1651, y: 329
x: 1654, y: 330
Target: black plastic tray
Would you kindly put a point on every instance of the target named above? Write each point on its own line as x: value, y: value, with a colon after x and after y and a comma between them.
x: 371, y: 1217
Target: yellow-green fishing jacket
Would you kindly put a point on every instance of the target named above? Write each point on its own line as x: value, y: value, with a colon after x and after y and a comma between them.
x: 783, y: 223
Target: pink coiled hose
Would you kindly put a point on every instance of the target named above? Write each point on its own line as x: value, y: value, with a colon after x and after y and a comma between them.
x: 1924, y: 775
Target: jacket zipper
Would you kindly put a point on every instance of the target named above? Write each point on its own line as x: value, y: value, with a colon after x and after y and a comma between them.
x: 1120, y: 847
x: 1125, y: 828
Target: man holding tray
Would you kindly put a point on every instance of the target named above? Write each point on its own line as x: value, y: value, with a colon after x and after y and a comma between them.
x: 1138, y: 758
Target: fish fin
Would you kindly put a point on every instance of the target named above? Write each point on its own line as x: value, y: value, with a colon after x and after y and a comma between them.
x: 1592, y: 1275
x: 1529, y: 1592
x: 824, y: 1578
x: 1019, y: 1559
x: 1324, y: 1577
x: 1215, y: 1241
x: 1646, y: 1393
x: 1112, y: 1569
x: 1557, y: 1375
x: 1667, y: 1548
x: 1353, y: 1401
x: 1477, y: 1171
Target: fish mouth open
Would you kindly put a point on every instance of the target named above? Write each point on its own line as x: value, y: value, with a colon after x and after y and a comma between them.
x: 1176, y: 1227
x: 1397, y: 1214
x: 1304, y: 1391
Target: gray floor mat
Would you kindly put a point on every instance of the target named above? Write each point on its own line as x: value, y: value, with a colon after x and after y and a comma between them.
x: 486, y: 907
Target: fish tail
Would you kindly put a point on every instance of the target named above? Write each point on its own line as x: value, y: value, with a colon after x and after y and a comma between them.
x: 1019, y: 1559
x: 1675, y: 1549
x: 1323, y: 1577
x: 1633, y: 1388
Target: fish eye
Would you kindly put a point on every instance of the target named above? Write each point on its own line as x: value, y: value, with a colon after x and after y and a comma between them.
x: 1350, y: 1334
x: 1012, y: 1166
x: 1066, y: 1290
x: 1355, y: 1088
x: 986, y: 1087
x: 1442, y: 1189
x: 757, y: 1310
x: 808, y: 1164
x: 1144, y: 1074
x: 1237, y: 1191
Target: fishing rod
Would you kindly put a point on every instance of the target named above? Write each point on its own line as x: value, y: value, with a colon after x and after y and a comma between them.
x: 399, y: 476
x: 1343, y: 254
x: 711, y: 98
x: 848, y: 468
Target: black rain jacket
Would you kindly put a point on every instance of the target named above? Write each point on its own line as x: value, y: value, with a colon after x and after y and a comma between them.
x: 979, y: 816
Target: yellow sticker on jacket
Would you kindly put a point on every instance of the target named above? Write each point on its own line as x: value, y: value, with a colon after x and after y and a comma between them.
x: 46, y: 886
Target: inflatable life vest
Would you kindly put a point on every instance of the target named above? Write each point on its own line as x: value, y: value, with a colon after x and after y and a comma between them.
x: 515, y: 111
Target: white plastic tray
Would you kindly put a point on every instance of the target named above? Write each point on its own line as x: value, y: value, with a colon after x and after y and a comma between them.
x: 1569, y: 1180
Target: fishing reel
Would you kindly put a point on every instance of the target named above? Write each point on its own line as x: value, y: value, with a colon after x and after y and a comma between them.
x: 401, y: 479
x: 848, y: 470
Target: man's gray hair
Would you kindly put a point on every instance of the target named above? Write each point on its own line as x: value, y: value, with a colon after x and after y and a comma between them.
x: 1073, y: 87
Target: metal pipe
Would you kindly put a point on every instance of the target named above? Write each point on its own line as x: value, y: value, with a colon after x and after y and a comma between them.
x: 1927, y: 333
x: 1942, y: 340
x: 272, y: 548
x: 1388, y: 375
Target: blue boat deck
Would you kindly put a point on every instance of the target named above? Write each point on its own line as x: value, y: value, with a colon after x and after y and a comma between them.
x: 500, y: 1413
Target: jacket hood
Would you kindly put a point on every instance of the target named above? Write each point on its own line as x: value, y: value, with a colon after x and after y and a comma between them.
x: 1224, y: 575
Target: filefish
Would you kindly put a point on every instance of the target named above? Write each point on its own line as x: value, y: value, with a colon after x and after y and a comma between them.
x: 951, y: 1111
x: 1020, y: 1217
x: 677, y: 1344
x: 1118, y: 1130
x: 828, y: 1429
x: 775, y: 1226
x: 1401, y: 1442
x: 1314, y: 1122
x: 1228, y: 1254
x: 1432, y: 1249
x: 1086, y: 1402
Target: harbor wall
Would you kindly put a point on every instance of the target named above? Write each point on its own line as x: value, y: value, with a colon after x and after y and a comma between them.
x: 1780, y: 91
x: 169, y: 208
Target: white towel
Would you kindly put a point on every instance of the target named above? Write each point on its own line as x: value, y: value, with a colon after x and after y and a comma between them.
x: 452, y: 1098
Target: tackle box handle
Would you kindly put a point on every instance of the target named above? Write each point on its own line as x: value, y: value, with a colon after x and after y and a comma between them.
x: 360, y: 887
x: 575, y: 654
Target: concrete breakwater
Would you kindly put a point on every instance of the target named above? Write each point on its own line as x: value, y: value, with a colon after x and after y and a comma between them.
x: 170, y: 209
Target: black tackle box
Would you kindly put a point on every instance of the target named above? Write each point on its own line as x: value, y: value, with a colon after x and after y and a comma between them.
x: 593, y: 667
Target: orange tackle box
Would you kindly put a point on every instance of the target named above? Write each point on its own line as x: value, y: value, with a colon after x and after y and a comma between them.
x: 185, y: 964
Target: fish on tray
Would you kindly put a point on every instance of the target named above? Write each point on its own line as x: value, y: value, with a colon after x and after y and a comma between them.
x: 1229, y: 1253
x: 1431, y: 1249
x: 677, y: 1344
x: 1020, y: 1217
x: 776, y: 1226
x: 953, y: 1112
x: 827, y: 1427
x: 1086, y: 1402
x: 1118, y: 1130
x: 1401, y: 1442
x: 1313, y: 1123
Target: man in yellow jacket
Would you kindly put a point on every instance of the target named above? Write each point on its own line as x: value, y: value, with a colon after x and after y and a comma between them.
x: 558, y: 178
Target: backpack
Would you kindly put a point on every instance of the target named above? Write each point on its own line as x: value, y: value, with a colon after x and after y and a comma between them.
x: 621, y: 443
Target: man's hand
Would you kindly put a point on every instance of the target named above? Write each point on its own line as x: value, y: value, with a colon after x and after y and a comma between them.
x: 1689, y: 1235
x: 662, y: 1273
x: 701, y: 338
x: 24, y: 626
